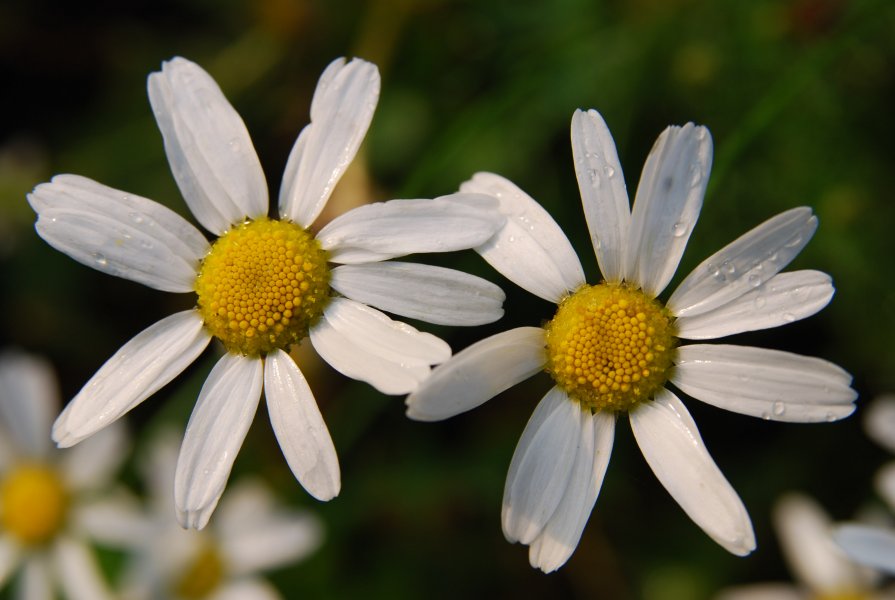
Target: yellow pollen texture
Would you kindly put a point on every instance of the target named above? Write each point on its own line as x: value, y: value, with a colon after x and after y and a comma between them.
x: 610, y: 346
x: 262, y: 286
x: 33, y: 503
x: 202, y: 576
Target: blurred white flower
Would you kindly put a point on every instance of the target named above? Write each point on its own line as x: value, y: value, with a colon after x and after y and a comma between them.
x: 47, y: 496
x: 265, y: 284
x: 819, y: 567
x: 612, y: 348
x: 250, y: 534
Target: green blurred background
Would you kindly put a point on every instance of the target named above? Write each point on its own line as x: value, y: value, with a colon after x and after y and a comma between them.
x: 798, y: 96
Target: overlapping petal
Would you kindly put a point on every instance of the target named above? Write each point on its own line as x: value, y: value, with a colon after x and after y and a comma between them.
x: 432, y: 294
x: 118, y: 233
x: 28, y: 400
x: 478, y: 373
x: 764, y: 383
x: 299, y: 427
x: 226, y: 407
x: 667, y: 204
x: 385, y: 230
x: 208, y: 146
x: 78, y: 571
x: 530, y: 249
x: 675, y: 452
x: 341, y: 111
x: 139, y: 369
x: 870, y: 546
x: 604, y: 196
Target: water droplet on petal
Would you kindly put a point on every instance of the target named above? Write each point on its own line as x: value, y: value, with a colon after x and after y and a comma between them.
x: 597, y: 243
x: 609, y: 171
x: 754, y: 280
x: 779, y: 408
x: 789, y: 317
x: 830, y: 417
x: 729, y: 267
x: 766, y: 416
x: 695, y: 175
x: 594, y: 177
x: 137, y: 218
x: 794, y: 242
x: 679, y: 229
x: 511, y: 239
x: 760, y: 302
x: 100, y: 260
x: 234, y: 145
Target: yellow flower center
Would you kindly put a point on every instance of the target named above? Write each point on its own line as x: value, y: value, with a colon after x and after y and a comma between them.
x: 33, y: 503
x: 610, y: 346
x: 202, y: 576
x: 844, y: 595
x: 262, y: 285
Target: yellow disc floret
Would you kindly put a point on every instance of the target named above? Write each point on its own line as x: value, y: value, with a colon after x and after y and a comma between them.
x: 202, y: 576
x: 33, y: 503
x: 610, y: 346
x: 262, y: 286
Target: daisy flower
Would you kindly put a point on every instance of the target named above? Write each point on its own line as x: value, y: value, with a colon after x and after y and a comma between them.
x: 46, y: 496
x: 264, y: 284
x: 820, y: 569
x: 250, y: 534
x: 874, y: 545
x: 612, y: 348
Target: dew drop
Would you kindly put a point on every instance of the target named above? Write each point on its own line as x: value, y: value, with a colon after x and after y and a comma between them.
x: 136, y: 218
x: 779, y: 408
x: 695, y: 176
x: 234, y: 145
x: 754, y: 280
x: 511, y: 239
x: 729, y: 267
x: 760, y: 302
x: 679, y: 229
x: 100, y: 260
x: 789, y: 317
x: 597, y: 243
x: 594, y: 177
x: 766, y: 416
x: 609, y: 171
x: 794, y: 242
x: 830, y: 417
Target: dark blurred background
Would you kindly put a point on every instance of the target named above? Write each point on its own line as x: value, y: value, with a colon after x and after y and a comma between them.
x: 798, y: 95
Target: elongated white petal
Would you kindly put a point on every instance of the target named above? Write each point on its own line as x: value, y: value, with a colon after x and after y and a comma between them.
x: 782, y: 299
x: 214, y: 434
x: 425, y: 292
x: 385, y: 230
x: 10, y: 552
x: 139, y: 369
x: 667, y: 204
x: 541, y: 467
x: 604, y: 196
x: 29, y: 398
x: 341, y: 111
x: 93, y: 463
x: 556, y: 543
x: 530, y: 249
x: 118, y: 520
x: 118, y: 233
x: 208, y: 147
x: 744, y: 264
x: 252, y: 588
x: 672, y: 446
x: 479, y: 373
x: 36, y: 579
x: 879, y: 421
x: 79, y: 573
x: 884, y: 483
x: 299, y: 427
x: 363, y: 343
x: 869, y: 546
x: 804, y: 532
x: 764, y: 383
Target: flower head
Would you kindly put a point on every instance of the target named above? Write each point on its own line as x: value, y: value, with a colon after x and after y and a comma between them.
x: 48, y: 498
x: 613, y: 347
x: 264, y: 285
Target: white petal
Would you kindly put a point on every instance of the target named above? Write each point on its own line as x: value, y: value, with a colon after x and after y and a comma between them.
x: 425, y: 292
x: 29, y: 397
x: 214, y: 434
x: 118, y: 233
x: 603, y: 192
x: 884, y: 483
x: 246, y: 589
x: 870, y: 546
x: 79, y: 573
x: 118, y: 520
x: 479, y: 373
x: 255, y: 533
x: 541, y: 467
x: 93, y: 463
x: 209, y: 149
x: 363, y: 343
x: 879, y: 421
x: 10, y: 555
x: 341, y: 111
x: 300, y: 429
x: 530, y: 249
x: 385, y: 230
x: 782, y: 299
x: 804, y: 532
x: 672, y: 446
x: 36, y: 580
x: 764, y: 383
x: 560, y: 536
x: 139, y: 369
x: 667, y: 205
x: 744, y: 264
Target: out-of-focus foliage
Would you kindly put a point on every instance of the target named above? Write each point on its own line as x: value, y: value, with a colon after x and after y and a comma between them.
x: 798, y: 95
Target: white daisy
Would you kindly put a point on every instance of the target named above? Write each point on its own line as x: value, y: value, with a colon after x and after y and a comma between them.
x: 250, y: 534
x: 874, y: 545
x: 45, y: 494
x: 612, y: 347
x: 265, y: 284
x: 820, y: 569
